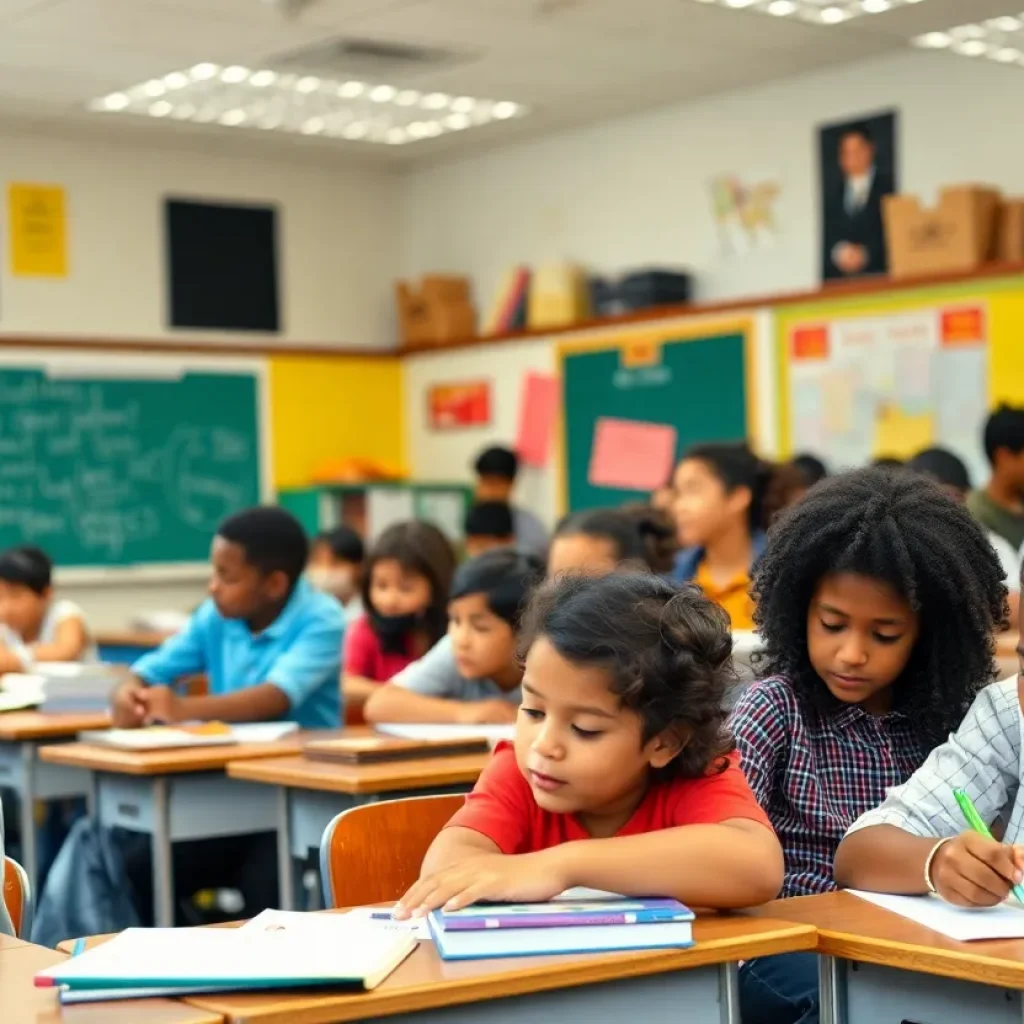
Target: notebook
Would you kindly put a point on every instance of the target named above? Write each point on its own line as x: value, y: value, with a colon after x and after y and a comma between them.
x: 203, y: 734
x: 554, y: 936
x: 375, y: 749
x: 965, y: 924
x: 563, y: 914
x: 431, y: 731
x: 231, y: 959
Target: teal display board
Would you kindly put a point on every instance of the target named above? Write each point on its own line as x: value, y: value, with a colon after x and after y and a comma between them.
x: 698, y: 385
x: 113, y: 472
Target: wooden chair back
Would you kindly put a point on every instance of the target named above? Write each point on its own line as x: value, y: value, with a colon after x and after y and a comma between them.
x: 373, y: 853
x: 18, y: 897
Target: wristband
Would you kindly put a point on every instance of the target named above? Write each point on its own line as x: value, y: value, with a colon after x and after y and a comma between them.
x: 928, y: 864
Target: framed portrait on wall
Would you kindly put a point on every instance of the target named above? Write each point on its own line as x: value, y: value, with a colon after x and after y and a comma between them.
x: 858, y: 167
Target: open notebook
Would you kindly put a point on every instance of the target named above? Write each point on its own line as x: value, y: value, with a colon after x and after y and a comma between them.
x: 206, y: 734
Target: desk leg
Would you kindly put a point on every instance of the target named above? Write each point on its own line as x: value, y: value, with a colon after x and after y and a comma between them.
x: 285, y: 865
x: 832, y: 989
x: 27, y: 815
x: 729, y: 993
x: 163, y: 862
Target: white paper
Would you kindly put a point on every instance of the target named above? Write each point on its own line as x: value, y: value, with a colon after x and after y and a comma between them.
x: 263, y: 732
x: 429, y: 731
x: 156, y: 737
x: 1005, y: 921
x: 322, y: 925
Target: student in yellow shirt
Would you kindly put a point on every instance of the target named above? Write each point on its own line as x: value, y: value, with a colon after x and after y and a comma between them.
x: 725, y: 497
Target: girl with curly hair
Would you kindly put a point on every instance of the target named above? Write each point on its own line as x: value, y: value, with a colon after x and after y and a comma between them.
x: 878, y: 600
x: 622, y: 776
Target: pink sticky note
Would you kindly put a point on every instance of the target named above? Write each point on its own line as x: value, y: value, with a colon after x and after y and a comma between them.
x: 631, y: 455
x: 538, y: 408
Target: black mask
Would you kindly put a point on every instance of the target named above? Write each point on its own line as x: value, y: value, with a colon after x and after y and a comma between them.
x: 392, y: 630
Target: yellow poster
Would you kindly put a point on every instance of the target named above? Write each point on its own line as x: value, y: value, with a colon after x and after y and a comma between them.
x: 901, y: 435
x: 38, y: 230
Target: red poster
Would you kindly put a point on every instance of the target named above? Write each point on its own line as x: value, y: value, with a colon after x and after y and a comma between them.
x: 538, y: 409
x: 450, y: 406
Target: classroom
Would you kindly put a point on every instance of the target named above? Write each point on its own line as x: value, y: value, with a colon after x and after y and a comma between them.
x: 511, y: 510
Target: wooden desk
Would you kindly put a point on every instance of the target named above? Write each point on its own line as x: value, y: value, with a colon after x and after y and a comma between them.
x: 22, y: 1003
x: 697, y: 984
x: 311, y: 793
x: 175, y: 795
x: 878, y: 967
x: 21, y: 734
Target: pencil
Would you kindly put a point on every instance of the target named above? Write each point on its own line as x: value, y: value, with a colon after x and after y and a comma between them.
x: 970, y: 812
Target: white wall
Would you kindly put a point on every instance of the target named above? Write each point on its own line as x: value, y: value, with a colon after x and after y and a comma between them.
x: 338, y: 231
x: 633, y: 192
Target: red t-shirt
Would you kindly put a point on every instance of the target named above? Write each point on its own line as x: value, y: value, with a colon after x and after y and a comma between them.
x: 364, y: 657
x: 502, y: 807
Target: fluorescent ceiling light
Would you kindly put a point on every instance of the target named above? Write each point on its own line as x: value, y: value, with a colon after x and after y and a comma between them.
x: 999, y: 39
x: 818, y: 12
x: 264, y: 100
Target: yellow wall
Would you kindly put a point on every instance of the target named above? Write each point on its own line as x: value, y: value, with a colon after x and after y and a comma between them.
x: 1003, y: 299
x: 327, y: 407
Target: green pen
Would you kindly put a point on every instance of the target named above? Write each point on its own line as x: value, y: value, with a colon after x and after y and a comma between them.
x: 970, y: 812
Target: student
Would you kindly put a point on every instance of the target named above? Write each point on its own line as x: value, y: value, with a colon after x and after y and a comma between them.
x: 890, y: 462
x: 336, y: 567
x: 950, y: 473
x: 472, y: 675
x: 1000, y: 506
x: 269, y: 644
x: 602, y: 540
x: 877, y: 600
x: 721, y: 512
x: 917, y: 841
x: 620, y: 750
x: 811, y: 469
x: 488, y: 525
x: 496, y: 471
x: 6, y: 927
x: 35, y: 625
x: 405, y: 596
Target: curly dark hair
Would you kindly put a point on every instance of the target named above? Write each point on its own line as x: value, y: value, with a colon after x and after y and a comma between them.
x: 667, y: 651
x: 900, y: 528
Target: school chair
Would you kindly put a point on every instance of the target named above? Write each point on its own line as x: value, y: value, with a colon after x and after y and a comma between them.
x: 18, y: 897
x: 372, y: 853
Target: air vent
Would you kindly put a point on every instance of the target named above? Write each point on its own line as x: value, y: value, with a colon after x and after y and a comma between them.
x: 370, y: 59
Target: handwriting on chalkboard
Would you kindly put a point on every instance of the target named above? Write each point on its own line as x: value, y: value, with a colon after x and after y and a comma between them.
x: 114, y: 464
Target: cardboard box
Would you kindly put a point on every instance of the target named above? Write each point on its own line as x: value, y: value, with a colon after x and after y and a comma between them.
x: 958, y: 235
x: 438, y: 310
x: 1010, y: 243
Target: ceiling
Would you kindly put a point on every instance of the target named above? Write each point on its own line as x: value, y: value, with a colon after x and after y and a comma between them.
x: 572, y: 62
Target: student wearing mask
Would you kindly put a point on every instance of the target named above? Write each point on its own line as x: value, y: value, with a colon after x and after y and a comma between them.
x: 336, y: 567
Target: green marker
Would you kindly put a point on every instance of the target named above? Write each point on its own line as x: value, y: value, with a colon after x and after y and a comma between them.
x: 970, y: 812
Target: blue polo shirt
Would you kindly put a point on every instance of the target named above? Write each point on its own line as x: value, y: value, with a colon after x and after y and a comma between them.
x: 299, y: 652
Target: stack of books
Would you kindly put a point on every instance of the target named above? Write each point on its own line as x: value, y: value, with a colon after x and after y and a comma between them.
x: 63, y: 687
x: 585, y: 925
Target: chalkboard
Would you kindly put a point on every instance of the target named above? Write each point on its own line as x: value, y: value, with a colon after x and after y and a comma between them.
x: 115, y: 472
x: 698, y: 385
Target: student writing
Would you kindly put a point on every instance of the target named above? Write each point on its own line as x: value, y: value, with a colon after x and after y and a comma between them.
x: 268, y: 642
x: 602, y: 540
x: 917, y: 841
x: 34, y: 624
x: 472, y: 675
x: 405, y: 600
x: 877, y: 599
x: 725, y: 498
x: 622, y: 776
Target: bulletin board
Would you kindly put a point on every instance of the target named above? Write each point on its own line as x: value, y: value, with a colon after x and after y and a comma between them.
x: 891, y: 374
x: 695, y: 378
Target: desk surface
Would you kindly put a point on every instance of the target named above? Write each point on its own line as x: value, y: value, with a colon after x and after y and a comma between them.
x: 425, y: 981
x: 853, y: 929
x: 166, y: 762
x: 33, y: 725
x: 386, y: 777
x: 22, y: 1003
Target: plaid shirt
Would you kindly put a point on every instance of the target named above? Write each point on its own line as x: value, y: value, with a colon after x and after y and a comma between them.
x: 815, y: 776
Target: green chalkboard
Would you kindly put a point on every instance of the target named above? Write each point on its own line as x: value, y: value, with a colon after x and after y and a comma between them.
x: 114, y: 472
x: 698, y: 386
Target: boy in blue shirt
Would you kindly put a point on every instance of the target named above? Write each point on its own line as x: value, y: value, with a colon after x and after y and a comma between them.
x: 269, y: 644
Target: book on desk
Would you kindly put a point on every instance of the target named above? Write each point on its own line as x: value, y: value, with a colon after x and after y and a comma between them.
x: 381, y: 749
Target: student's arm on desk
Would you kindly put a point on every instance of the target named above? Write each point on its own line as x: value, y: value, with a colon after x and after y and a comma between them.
x: 69, y: 643
x: 357, y: 689
x: 394, y: 703
x: 735, y: 863
x: 886, y: 849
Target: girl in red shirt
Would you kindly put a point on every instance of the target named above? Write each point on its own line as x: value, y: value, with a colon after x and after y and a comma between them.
x: 622, y: 776
x: 405, y: 602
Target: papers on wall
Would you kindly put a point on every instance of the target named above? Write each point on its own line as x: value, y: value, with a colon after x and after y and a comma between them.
x: 1005, y: 921
x: 632, y: 455
x: 429, y: 731
x: 538, y: 410
x: 890, y: 385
